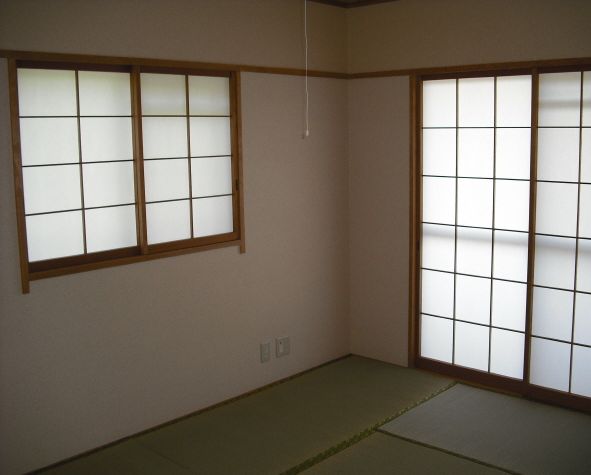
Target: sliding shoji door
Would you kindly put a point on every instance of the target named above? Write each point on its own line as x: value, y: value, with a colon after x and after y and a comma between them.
x: 561, y: 322
x: 475, y: 216
x: 480, y: 313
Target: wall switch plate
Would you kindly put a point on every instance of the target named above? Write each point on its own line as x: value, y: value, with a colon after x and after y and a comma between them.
x: 265, y: 352
x: 282, y: 346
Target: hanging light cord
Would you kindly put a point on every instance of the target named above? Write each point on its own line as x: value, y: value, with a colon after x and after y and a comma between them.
x: 307, y: 131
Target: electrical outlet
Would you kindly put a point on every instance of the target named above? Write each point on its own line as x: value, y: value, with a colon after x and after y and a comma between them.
x: 265, y: 352
x: 282, y: 346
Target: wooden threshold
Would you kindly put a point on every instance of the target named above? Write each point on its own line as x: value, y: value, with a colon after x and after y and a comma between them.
x: 506, y: 385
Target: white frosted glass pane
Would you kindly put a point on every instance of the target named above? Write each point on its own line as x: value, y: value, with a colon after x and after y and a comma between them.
x: 509, y: 304
x: 212, y: 216
x: 106, y: 138
x: 559, y: 100
x: 471, y: 346
x: 511, y: 256
x: 164, y: 137
x: 556, y: 209
x: 475, y: 152
x: 439, y: 198
x: 209, y: 95
x: 583, y: 319
x: 475, y: 202
x: 586, y: 156
x: 210, y: 136
x: 166, y: 179
x: 476, y: 103
x: 474, y: 251
x: 163, y: 94
x: 439, y: 152
x: 553, y: 313
x: 587, y: 98
x: 473, y: 299
x: 211, y: 176
x: 555, y: 262
x: 584, y: 266
x: 558, y: 154
x: 49, y: 141
x: 110, y: 228
x: 436, y: 338
x: 438, y: 244
x: 581, y: 378
x: 585, y: 211
x: 512, y: 205
x: 506, y: 353
x: 439, y: 103
x: 437, y: 293
x: 513, y: 153
x: 54, y: 235
x: 104, y: 93
x: 108, y: 184
x: 168, y: 221
x: 51, y: 188
x: 514, y: 101
x: 46, y: 92
x: 550, y: 363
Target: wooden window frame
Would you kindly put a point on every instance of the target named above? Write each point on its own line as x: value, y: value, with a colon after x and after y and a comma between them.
x: 143, y: 251
x: 506, y: 384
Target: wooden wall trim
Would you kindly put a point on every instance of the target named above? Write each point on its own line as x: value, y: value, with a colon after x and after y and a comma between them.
x: 414, y: 220
x: 166, y: 63
x: 18, y: 176
x: 359, y: 3
x: 249, y: 68
x: 240, y: 177
x: 466, y: 68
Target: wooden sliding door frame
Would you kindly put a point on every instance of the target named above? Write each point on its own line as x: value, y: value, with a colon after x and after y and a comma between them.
x: 506, y: 384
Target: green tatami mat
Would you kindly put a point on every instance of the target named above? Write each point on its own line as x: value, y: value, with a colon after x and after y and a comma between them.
x: 282, y: 426
x: 504, y: 431
x: 384, y: 454
x: 127, y: 458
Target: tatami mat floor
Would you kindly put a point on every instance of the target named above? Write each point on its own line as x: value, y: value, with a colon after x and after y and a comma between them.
x: 324, y: 421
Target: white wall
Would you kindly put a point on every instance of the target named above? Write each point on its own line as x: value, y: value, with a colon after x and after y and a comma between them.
x: 89, y: 358
x: 378, y: 217
x: 426, y: 33
x: 255, y: 32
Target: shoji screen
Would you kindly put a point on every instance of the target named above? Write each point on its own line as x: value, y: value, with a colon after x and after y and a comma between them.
x: 187, y: 156
x: 561, y: 322
x: 477, y: 309
x: 77, y: 161
x: 475, y: 215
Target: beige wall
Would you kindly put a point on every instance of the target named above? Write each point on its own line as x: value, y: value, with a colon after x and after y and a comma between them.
x: 378, y: 223
x: 423, y: 33
x: 256, y: 32
x: 89, y: 358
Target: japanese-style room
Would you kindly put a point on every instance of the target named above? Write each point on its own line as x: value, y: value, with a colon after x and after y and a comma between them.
x: 295, y: 236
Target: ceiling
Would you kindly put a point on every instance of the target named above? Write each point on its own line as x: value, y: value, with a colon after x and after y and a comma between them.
x: 351, y: 3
